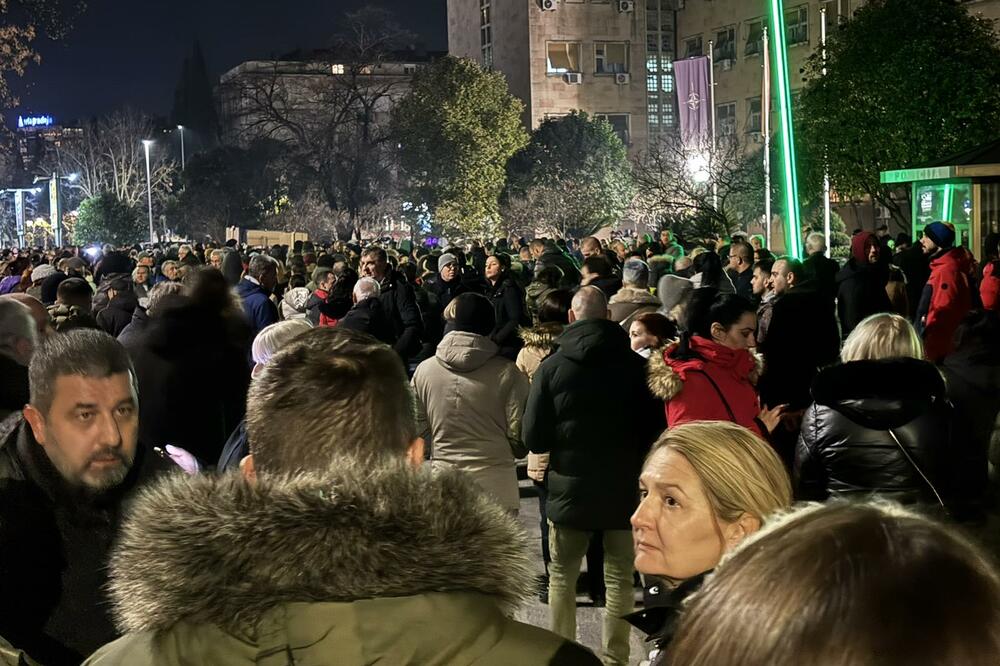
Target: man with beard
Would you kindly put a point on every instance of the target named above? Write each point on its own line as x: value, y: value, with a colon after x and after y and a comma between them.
x: 67, y: 462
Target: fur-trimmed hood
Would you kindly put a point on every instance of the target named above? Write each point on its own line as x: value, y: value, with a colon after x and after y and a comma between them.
x: 665, y: 376
x: 220, y: 550
x: 634, y: 296
x: 543, y: 336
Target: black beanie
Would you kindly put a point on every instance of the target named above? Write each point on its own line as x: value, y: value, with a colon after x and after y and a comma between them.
x: 474, y: 314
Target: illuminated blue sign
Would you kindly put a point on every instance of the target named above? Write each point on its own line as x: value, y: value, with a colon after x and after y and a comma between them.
x: 34, y: 121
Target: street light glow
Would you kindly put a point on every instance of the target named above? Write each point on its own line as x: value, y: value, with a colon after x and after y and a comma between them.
x: 697, y: 166
x: 73, y: 177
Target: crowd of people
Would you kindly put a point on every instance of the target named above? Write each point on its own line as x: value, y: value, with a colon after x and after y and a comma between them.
x: 311, y: 454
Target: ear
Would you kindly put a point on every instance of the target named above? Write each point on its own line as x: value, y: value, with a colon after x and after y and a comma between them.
x: 36, y: 420
x: 738, y: 531
x: 247, y: 469
x: 572, y: 316
x: 415, y: 452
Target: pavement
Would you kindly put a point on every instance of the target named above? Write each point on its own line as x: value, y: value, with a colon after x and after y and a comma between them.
x: 588, y: 618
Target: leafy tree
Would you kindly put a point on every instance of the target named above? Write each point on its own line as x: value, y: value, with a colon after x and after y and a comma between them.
x: 22, y: 24
x: 578, y: 170
x: 908, y: 82
x: 106, y: 219
x: 839, y: 241
x: 457, y: 127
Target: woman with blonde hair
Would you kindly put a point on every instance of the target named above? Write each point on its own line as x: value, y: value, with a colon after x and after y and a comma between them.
x: 705, y: 487
x: 879, y: 423
x: 846, y: 585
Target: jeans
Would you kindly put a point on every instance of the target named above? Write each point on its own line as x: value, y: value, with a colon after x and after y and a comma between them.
x: 568, y: 547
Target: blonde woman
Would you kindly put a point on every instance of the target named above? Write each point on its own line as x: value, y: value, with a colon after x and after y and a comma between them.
x: 705, y: 487
x: 846, y: 585
x: 879, y: 423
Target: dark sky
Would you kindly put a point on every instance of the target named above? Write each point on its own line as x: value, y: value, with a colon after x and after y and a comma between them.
x: 130, y: 52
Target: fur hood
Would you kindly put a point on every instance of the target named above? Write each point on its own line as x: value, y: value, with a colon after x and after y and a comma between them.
x: 634, y: 296
x: 665, y: 383
x: 543, y: 336
x: 220, y: 550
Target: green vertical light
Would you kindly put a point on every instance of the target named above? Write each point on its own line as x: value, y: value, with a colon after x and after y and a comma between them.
x: 793, y: 226
x: 949, y: 192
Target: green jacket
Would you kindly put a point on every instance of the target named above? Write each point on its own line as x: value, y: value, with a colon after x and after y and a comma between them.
x: 360, y: 566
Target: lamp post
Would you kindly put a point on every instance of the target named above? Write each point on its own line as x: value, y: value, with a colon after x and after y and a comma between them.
x: 19, y: 193
x: 146, y: 144
x: 180, y: 128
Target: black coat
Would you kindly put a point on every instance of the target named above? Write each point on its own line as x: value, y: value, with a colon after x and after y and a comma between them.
x: 590, y: 408
x: 861, y: 293
x: 400, y: 307
x: 368, y: 317
x: 193, y: 379
x: 822, y: 270
x: 114, y: 318
x: 661, y: 611
x: 132, y: 334
x: 802, y: 337
x: 916, y: 267
x: 511, y: 313
x: 845, y: 448
x: 552, y: 256
x: 54, y: 546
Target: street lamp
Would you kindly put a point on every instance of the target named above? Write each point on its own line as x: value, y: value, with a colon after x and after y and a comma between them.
x: 180, y: 128
x: 146, y: 144
x: 19, y: 193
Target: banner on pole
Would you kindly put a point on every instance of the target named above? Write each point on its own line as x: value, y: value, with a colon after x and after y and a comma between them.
x: 693, y: 99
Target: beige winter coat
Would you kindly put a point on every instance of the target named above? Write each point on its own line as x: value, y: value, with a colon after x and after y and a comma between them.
x: 470, y: 402
x: 539, y: 343
x: 629, y: 302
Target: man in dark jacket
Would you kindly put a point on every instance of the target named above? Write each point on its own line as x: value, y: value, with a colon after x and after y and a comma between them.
x: 546, y: 254
x: 367, y: 315
x: 740, y: 269
x: 122, y: 302
x: 819, y: 268
x: 861, y: 283
x: 398, y: 302
x: 66, y: 468
x: 594, y: 460
x: 255, y: 292
x: 434, y: 583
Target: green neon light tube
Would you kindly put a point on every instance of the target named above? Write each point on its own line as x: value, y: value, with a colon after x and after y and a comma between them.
x: 949, y: 194
x: 793, y: 225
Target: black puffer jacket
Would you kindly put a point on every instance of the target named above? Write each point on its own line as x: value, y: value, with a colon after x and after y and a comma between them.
x: 845, y: 448
x: 511, y: 313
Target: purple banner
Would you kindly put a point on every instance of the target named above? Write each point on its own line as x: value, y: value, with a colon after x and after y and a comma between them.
x: 693, y: 99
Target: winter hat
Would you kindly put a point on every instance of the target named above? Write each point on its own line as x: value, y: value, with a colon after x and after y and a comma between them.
x: 672, y: 291
x: 942, y: 233
x: 445, y: 259
x: 860, y: 244
x: 474, y: 314
x: 42, y: 271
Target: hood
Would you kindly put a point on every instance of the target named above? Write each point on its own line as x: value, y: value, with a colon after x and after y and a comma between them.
x: 880, y: 394
x: 860, y: 244
x: 296, y: 298
x: 460, y: 351
x: 593, y: 339
x: 635, y: 296
x: 666, y: 375
x: 542, y: 336
x: 216, y: 549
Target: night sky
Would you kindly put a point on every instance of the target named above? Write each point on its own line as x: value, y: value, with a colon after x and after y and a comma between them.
x: 130, y: 53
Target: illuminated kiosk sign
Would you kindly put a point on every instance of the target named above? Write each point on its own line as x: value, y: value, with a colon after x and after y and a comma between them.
x: 35, y: 121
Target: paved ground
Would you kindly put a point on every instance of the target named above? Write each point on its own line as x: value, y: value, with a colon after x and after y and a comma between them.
x: 588, y: 618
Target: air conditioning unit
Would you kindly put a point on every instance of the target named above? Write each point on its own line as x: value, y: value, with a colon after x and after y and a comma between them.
x: 727, y: 64
x: 623, y: 78
x: 547, y: 5
x: 573, y: 78
x: 625, y: 6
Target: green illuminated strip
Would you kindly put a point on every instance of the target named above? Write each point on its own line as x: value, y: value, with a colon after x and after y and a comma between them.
x: 793, y: 226
x: 949, y: 193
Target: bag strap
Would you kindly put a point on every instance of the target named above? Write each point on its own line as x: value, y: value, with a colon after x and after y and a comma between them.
x: 913, y: 463
x: 725, y: 403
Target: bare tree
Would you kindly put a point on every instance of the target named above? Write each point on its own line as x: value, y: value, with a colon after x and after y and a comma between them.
x: 331, y: 115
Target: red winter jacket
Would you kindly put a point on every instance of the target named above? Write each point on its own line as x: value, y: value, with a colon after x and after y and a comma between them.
x: 948, y: 300
x: 989, y: 289
x: 690, y: 396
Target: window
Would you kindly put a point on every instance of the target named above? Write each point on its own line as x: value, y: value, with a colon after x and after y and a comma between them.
x: 754, y: 125
x: 693, y: 47
x: 797, y: 25
x: 725, y: 119
x: 336, y: 69
x: 755, y: 38
x: 837, y: 12
x: 486, y: 32
x: 611, y: 57
x: 725, y: 44
x: 619, y: 123
x: 562, y: 57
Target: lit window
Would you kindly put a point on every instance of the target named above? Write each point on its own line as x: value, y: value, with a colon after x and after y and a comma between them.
x: 337, y: 69
x: 651, y: 84
x: 667, y: 83
x: 563, y: 57
x: 611, y: 57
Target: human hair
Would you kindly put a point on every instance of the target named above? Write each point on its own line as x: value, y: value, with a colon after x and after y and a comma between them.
x: 550, y: 276
x: 846, y: 584
x: 537, y: 245
x: 765, y: 265
x: 590, y: 242
x: 331, y: 393
x: 296, y: 281
x: 16, y: 323
x: 320, y: 274
x: 882, y: 336
x: 366, y: 288
x: 658, y: 326
x: 635, y: 272
x: 598, y: 265
x: 740, y: 472
x: 218, y: 253
x: 590, y: 303
x: 162, y: 293
x: 260, y: 264
x: 75, y: 291
x: 274, y: 337
x: 743, y: 250
x: 707, y: 306
x: 709, y: 265
x: 168, y: 262
x: 80, y: 351
x: 793, y: 266
x: 377, y: 252
x: 554, y: 307
x: 815, y: 242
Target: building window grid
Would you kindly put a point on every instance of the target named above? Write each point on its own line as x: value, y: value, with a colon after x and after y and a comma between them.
x: 754, y: 125
x: 755, y: 38
x: 797, y: 25
x: 725, y: 44
x: 611, y: 57
x: 486, y: 32
x: 725, y: 115
x: 660, y: 40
